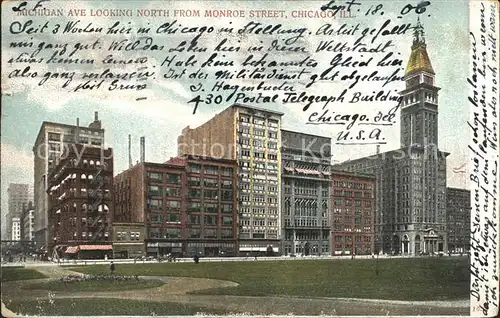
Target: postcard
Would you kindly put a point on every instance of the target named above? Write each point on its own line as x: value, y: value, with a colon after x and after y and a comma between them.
x: 260, y: 158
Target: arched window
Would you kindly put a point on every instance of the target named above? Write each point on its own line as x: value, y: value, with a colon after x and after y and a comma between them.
x: 85, y: 163
x: 90, y: 177
x: 97, y: 163
x: 74, y: 207
x: 84, y: 207
x: 103, y: 208
x: 83, y: 177
x: 91, y: 163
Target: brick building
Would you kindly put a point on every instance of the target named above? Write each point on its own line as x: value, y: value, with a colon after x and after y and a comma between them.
x: 52, y: 141
x: 187, y: 205
x: 353, y: 213
x: 251, y: 136
x: 306, y: 198
x: 153, y: 194
x: 80, y: 201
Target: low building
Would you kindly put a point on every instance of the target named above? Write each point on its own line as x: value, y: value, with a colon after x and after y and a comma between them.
x: 458, y: 209
x: 353, y: 213
x: 80, y: 209
x: 128, y: 240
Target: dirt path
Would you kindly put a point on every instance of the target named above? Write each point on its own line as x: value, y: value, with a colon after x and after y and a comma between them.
x: 176, y: 289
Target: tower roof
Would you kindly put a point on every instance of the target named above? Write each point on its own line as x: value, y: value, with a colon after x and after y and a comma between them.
x: 419, y: 59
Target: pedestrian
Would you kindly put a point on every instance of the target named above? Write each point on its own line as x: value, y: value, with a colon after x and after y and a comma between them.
x: 112, y: 268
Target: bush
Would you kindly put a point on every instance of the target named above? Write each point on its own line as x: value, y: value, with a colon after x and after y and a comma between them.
x: 88, y: 278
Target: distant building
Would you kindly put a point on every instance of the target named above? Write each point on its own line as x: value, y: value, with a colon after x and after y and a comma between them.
x: 251, y: 136
x: 306, y: 186
x: 458, y: 209
x: 16, y: 229
x: 80, y: 200
x: 28, y: 222
x: 411, y: 181
x: 18, y: 196
x: 353, y: 213
x: 52, y: 140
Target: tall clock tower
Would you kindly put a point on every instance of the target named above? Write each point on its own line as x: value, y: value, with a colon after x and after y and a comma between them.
x: 421, y: 175
x: 419, y: 113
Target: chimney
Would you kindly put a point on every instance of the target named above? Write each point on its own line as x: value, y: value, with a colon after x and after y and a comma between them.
x: 378, y: 149
x: 129, y: 151
x: 96, y: 116
x: 143, y: 149
x: 77, y: 132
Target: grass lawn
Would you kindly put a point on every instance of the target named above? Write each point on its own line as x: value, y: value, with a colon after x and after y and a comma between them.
x: 11, y: 274
x: 103, y: 307
x: 398, y: 279
x: 106, y: 285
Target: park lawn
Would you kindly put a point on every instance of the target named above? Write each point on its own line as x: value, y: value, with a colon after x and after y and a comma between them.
x: 19, y: 273
x: 397, y: 279
x: 84, y: 286
x: 104, y: 307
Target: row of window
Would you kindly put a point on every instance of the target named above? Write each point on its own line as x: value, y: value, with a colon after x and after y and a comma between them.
x: 349, y: 238
x: 175, y: 233
x: 348, y: 202
x: 212, y: 170
x: 170, y: 178
x: 128, y: 236
x: 209, y: 207
x: 353, y: 185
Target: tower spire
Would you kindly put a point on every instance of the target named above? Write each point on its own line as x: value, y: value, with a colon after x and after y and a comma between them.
x: 419, y: 59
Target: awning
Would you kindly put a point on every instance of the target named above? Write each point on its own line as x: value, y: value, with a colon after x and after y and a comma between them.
x: 72, y: 250
x: 289, y: 169
x: 96, y: 247
x: 307, y: 171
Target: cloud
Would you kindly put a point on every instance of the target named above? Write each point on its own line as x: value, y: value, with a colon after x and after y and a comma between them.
x: 13, y: 157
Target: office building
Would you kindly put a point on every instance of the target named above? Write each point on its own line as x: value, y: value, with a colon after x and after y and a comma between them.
x: 52, y: 140
x: 411, y: 181
x: 187, y: 205
x: 27, y: 223
x: 80, y: 197
x: 251, y: 136
x: 353, y: 213
x: 458, y: 210
x: 306, y: 188
x: 18, y: 196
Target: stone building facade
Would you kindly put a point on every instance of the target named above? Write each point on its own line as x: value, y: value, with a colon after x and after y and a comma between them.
x: 305, y: 201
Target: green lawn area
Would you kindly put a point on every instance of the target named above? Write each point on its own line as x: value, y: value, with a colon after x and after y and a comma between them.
x: 17, y: 273
x: 398, y: 279
x: 106, y: 285
x: 103, y: 307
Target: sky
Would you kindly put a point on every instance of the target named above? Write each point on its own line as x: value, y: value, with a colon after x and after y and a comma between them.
x: 162, y: 116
